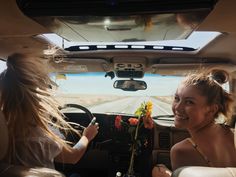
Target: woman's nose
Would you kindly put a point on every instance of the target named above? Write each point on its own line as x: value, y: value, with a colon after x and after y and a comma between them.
x: 178, y: 106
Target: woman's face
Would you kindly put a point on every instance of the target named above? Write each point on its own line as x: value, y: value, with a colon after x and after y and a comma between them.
x: 190, y: 108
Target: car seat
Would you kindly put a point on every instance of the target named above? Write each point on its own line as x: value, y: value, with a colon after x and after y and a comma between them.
x: 3, y: 136
x: 197, y: 171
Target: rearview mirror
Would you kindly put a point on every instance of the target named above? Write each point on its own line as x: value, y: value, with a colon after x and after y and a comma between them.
x: 130, y: 85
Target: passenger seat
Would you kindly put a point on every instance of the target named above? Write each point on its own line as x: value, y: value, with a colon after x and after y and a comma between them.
x: 3, y: 136
x: 197, y: 171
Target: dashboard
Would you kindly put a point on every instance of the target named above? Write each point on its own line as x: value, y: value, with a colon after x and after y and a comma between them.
x: 110, y: 152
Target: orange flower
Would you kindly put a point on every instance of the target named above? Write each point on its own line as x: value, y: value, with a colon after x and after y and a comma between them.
x: 148, y: 122
x: 133, y: 121
x: 118, y: 122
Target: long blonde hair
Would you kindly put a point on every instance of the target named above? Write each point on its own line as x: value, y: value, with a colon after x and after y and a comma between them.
x: 27, y: 102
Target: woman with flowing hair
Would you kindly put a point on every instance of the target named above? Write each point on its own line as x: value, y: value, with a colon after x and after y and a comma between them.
x: 31, y: 112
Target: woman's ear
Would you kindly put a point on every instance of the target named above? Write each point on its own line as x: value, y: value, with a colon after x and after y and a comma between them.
x: 213, y: 110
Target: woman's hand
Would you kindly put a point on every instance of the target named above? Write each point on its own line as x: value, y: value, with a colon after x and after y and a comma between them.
x: 91, y: 131
x: 161, y: 170
x: 74, y: 155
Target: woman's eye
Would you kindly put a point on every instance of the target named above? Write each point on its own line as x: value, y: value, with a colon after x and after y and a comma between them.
x: 176, y: 99
x: 189, y: 102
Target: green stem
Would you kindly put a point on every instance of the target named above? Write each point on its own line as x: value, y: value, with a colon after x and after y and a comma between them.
x: 131, y: 168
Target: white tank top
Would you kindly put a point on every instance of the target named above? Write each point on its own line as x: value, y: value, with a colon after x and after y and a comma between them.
x: 40, y: 150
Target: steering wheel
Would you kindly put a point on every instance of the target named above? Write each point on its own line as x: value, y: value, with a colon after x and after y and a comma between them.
x: 89, y: 114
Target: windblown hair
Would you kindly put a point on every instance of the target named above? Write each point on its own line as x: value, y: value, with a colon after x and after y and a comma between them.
x: 211, y: 88
x: 27, y: 102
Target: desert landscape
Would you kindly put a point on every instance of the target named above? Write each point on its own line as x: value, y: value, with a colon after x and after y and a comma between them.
x: 91, y: 100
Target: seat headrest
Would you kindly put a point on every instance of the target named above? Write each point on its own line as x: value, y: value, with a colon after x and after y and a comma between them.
x: 235, y: 135
x: 3, y: 136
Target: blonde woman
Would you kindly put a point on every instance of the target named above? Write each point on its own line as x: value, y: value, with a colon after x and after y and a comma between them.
x: 30, y: 110
x: 198, y: 102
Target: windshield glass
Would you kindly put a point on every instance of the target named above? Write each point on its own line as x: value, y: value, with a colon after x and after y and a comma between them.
x: 130, y: 28
x: 97, y: 93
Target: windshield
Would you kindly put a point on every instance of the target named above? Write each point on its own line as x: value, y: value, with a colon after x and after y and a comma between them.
x: 96, y: 92
x: 130, y: 28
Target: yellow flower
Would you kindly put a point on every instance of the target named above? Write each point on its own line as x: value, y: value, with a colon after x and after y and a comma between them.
x: 149, y: 108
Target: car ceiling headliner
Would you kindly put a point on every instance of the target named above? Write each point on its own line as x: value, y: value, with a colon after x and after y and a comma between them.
x: 17, y: 35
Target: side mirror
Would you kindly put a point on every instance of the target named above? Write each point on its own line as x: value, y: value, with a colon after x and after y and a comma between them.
x: 130, y: 85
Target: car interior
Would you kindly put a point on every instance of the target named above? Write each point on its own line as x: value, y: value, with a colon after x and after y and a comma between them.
x: 129, y: 44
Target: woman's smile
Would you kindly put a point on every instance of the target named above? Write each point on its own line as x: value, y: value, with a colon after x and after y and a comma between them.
x: 181, y: 117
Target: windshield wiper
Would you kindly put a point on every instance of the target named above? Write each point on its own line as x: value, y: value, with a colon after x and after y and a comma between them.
x: 163, y: 117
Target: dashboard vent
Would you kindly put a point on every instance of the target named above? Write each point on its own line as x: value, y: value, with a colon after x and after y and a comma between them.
x: 164, y: 140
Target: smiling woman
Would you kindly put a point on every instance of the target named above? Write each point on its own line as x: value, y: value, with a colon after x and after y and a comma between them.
x: 199, y: 100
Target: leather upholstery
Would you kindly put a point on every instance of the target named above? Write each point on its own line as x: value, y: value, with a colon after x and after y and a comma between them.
x: 204, y: 172
x: 7, y: 170
x: 3, y: 136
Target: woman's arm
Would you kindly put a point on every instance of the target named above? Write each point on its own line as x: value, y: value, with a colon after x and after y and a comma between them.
x: 73, y: 155
x: 177, y: 156
x: 183, y: 154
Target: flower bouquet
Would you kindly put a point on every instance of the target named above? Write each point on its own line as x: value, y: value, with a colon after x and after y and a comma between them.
x: 143, y: 119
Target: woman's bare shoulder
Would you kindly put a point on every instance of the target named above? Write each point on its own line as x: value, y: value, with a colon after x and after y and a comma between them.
x: 181, y: 146
x: 181, y: 153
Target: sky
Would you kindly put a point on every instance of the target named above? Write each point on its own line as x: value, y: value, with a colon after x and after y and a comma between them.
x: 2, y: 66
x: 196, y: 40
